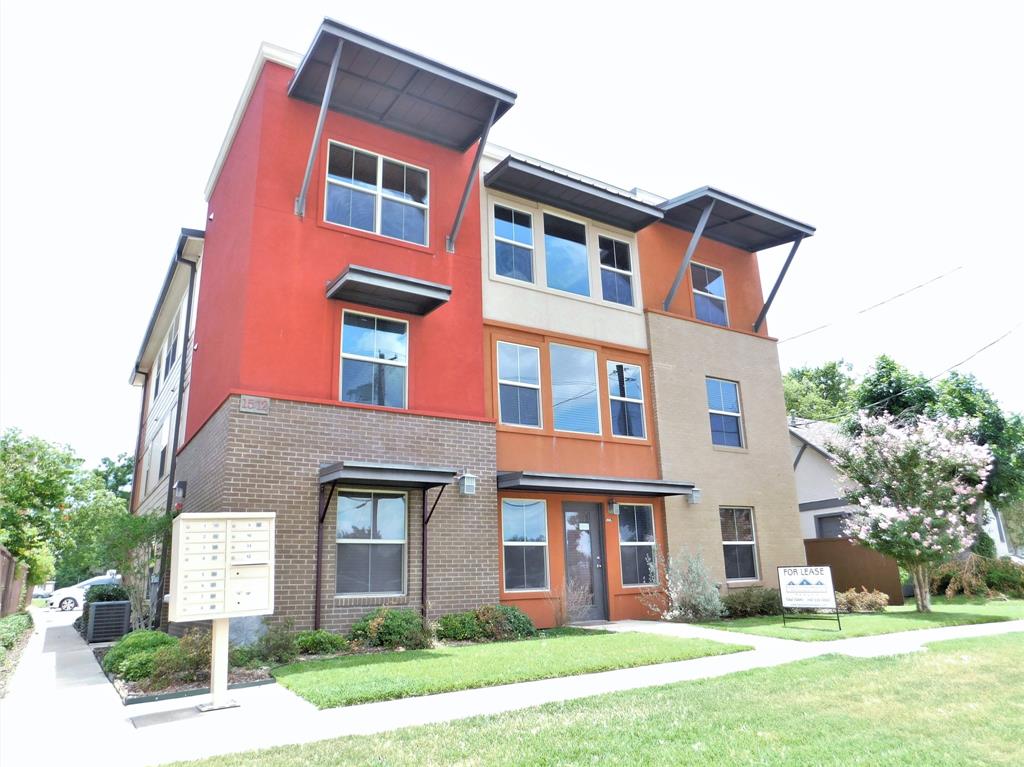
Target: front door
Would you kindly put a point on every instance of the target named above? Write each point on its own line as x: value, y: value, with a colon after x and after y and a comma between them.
x: 584, y: 561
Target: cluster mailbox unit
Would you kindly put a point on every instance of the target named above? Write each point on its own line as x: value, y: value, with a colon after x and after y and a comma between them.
x: 222, y: 567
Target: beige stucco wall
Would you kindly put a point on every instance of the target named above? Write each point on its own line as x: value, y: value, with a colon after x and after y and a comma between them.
x: 760, y: 475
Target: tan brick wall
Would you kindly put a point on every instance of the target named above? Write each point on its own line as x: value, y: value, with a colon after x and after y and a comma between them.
x: 271, y: 463
x: 760, y: 475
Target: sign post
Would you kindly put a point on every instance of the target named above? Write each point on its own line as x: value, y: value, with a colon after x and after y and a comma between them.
x: 222, y: 567
x: 808, y: 588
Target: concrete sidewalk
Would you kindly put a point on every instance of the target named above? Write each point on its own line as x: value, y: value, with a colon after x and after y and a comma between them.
x: 62, y: 710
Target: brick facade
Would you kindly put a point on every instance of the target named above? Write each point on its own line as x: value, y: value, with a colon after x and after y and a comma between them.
x: 248, y: 462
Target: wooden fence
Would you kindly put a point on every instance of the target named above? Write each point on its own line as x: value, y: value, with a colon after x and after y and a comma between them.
x: 854, y: 566
x: 12, y: 582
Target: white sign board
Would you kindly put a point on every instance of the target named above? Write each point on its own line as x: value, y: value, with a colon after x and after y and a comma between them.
x: 807, y: 587
x: 222, y: 566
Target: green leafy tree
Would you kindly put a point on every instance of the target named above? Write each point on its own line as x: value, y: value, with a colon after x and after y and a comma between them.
x: 819, y: 393
x: 891, y: 388
x: 87, y: 525
x: 117, y: 474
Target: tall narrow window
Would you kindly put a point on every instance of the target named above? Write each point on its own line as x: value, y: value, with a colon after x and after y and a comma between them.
x: 369, y: 192
x: 156, y: 376
x: 171, y: 346
x: 724, y: 411
x: 616, y: 271
x: 518, y: 384
x: 162, y: 441
x: 738, y: 543
x: 565, y: 255
x: 574, y: 389
x: 626, y: 398
x: 709, y: 294
x: 637, y: 547
x: 513, y: 243
x: 371, y: 543
x: 524, y: 533
x: 374, y: 353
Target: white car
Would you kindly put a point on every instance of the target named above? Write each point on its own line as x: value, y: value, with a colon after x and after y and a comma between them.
x: 73, y: 597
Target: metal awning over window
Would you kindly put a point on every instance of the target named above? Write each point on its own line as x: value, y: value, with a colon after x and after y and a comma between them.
x: 384, y: 290
x: 382, y: 83
x: 362, y: 473
x: 520, y: 177
x: 581, y: 483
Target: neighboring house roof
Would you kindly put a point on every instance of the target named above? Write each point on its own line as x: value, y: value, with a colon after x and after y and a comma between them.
x: 816, y: 434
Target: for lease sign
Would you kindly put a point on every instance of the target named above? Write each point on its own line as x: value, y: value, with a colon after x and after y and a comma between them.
x: 807, y: 587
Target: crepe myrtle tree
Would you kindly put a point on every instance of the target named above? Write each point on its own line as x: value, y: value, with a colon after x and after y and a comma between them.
x: 918, y: 490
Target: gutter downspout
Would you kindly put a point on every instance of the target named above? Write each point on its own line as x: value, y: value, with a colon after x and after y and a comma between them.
x: 320, y: 556
x: 137, y: 469
x: 423, y: 551
x: 185, y: 352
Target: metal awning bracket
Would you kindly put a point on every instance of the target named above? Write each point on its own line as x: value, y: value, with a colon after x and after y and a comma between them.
x: 300, y: 201
x: 690, y: 249
x: 427, y: 515
x: 775, y: 288
x: 449, y: 240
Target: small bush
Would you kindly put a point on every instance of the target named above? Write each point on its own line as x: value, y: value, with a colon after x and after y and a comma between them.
x: 1006, y: 576
x: 12, y: 627
x: 186, y: 661
x: 320, y: 642
x: 500, y: 622
x: 984, y: 546
x: 744, y: 603
x: 278, y: 644
x: 132, y: 656
x: 244, y: 656
x: 107, y: 592
x: 385, y: 627
x: 459, y: 627
x: 978, y: 576
x: 863, y: 601
x: 692, y: 594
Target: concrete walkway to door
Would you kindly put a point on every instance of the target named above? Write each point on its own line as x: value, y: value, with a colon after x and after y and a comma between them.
x: 60, y: 708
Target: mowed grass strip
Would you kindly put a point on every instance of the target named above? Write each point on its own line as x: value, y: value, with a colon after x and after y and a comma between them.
x: 959, y: 703
x: 945, y: 612
x: 386, y: 676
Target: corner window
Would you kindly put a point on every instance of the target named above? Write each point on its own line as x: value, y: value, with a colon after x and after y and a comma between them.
x: 574, y: 389
x: 513, y: 243
x: 709, y: 294
x: 369, y: 192
x: 157, y: 377
x: 518, y: 384
x: 371, y: 542
x: 171, y: 346
x: 637, y: 547
x: 374, y: 360
x: 738, y: 543
x: 524, y: 534
x: 724, y: 410
x: 616, y: 271
x: 626, y: 398
x: 565, y: 251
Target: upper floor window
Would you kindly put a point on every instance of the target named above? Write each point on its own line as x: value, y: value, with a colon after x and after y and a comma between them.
x: 162, y: 443
x: 738, y: 543
x: 171, y: 346
x: 709, y: 294
x: 374, y: 360
x: 518, y: 384
x: 513, y: 243
x: 370, y: 192
x: 724, y: 410
x: 524, y: 535
x: 157, y: 377
x: 566, y: 260
x: 574, y: 394
x: 616, y: 271
x: 626, y: 398
x: 371, y: 543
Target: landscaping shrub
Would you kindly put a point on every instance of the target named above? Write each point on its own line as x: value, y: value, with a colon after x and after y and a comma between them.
x: 459, y: 627
x: 984, y: 546
x: 979, y: 577
x: 244, y: 656
x: 107, y: 592
x: 863, y: 601
x: 132, y: 657
x: 744, y: 603
x: 691, y: 594
x: 320, y: 642
x: 385, y: 627
x: 1006, y: 576
x: 186, y: 661
x: 501, y: 622
x: 12, y: 627
x: 278, y: 645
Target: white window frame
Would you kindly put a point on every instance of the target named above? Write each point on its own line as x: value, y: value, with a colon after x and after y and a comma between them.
x: 537, y: 386
x: 495, y: 238
x: 597, y: 389
x: 646, y: 544
x: 643, y: 409
x: 405, y: 543
x: 724, y: 298
x: 601, y: 267
x: 738, y: 415
x: 349, y: 356
x: 163, y: 444
x: 589, y: 241
x: 545, y: 544
x: 379, y: 194
x: 752, y: 543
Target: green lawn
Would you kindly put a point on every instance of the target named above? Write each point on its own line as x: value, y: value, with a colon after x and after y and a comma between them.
x: 385, y: 676
x: 945, y: 612
x: 957, y: 704
x: 38, y: 602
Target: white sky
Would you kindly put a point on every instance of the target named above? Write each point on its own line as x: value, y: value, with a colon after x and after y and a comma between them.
x: 896, y: 129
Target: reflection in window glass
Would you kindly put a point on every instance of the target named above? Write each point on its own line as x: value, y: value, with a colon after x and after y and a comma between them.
x: 525, y: 549
x: 518, y: 384
x: 565, y: 251
x: 513, y: 243
x: 724, y: 412
x: 738, y: 543
x: 625, y: 396
x: 371, y: 543
x: 574, y: 389
x: 374, y: 354
x: 616, y: 271
x: 637, y: 547
x: 709, y: 294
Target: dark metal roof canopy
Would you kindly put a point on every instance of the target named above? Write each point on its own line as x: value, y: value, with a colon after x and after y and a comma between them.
x: 385, y: 474
x: 581, y: 483
x: 385, y: 290
x: 516, y: 176
x: 733, y: 221
x: 383, y: 83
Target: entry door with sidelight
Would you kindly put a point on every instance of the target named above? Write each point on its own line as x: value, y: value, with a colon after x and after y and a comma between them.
x: 584, y: 561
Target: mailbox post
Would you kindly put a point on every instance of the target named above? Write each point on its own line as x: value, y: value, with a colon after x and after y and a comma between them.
x: 222, y: 567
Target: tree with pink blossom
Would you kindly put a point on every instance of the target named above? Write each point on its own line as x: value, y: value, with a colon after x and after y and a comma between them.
x: 918, y: 487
